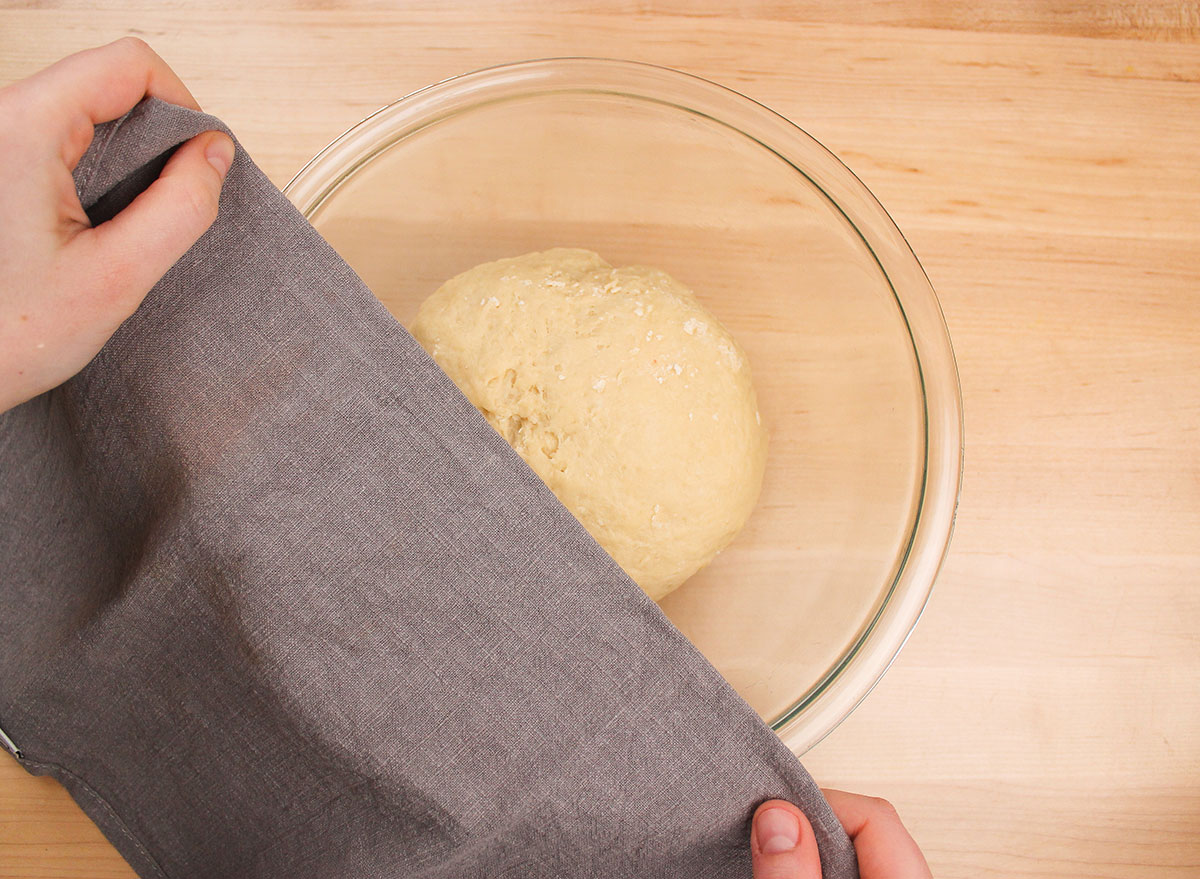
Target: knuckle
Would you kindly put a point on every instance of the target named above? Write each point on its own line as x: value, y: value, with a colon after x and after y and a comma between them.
x: 885, y: 807
x: 184, y: 208
x: 135, y: 45
x: 201, y: 205
x: 196, y: 201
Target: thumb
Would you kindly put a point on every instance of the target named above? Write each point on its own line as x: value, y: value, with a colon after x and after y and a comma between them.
x: 782, y: 844
x: 139, y: 245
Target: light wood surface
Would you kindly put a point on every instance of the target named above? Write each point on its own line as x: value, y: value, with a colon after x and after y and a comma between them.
x: 1044, y: 161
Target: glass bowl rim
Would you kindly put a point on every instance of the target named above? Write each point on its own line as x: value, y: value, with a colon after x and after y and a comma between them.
x: 828, y: 702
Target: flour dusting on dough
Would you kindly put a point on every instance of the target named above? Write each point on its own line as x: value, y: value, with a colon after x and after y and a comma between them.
x: 578, y: 375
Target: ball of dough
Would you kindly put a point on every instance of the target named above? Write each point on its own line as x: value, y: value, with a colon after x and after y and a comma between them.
x: 624, y: 395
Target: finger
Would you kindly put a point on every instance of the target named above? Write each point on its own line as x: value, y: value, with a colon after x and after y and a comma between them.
x: 884, y: 847
x: 97, y: 85
x: 782, y: 844
x: 107, y: 81
x: 138, y: 245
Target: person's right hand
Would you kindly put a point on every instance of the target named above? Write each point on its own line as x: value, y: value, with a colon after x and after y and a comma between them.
x: 782, y: 845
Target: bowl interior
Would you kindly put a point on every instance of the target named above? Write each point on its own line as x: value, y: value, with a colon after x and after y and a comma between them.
x: 643, y: 180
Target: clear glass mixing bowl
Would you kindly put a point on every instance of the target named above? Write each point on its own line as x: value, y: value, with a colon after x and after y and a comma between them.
x: 856, y: 379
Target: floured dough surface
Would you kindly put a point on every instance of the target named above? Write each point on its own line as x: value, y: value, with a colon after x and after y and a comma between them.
x: 630, y: 401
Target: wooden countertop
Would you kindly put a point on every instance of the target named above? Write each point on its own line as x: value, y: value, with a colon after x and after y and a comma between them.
x: 1044, y: 161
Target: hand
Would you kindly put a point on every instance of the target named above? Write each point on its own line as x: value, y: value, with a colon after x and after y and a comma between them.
x: 782, y: 845
x: 65, y: 286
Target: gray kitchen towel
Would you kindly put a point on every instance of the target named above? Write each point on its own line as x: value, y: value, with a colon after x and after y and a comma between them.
x: 277, y: 601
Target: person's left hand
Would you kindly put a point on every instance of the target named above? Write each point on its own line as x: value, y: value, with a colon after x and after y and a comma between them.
x: 67, y: 286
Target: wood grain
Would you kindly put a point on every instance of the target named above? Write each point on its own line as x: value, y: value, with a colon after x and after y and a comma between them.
x: 1044, y: 161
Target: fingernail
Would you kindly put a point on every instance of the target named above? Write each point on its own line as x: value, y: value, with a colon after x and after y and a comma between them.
x: 219, y: 153
x: 777, y: 830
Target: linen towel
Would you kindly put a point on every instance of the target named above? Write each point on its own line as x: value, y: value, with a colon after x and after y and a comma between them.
x: 278, y: 602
